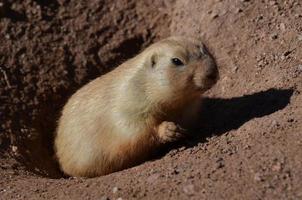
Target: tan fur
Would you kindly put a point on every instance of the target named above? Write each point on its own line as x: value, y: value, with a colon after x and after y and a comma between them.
x: 118, y: 119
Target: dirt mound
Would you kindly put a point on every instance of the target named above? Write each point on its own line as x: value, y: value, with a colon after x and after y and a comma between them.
x: 249, y: 146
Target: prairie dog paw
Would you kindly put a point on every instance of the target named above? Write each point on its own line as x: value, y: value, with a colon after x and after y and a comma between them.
x: 170, y: 132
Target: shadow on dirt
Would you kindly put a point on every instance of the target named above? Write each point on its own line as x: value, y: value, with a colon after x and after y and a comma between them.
x: 37, y: 151
x: 222, y: 115
x: 219, y: 116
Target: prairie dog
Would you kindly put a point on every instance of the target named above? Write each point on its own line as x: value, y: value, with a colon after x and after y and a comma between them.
x: 117, y: 120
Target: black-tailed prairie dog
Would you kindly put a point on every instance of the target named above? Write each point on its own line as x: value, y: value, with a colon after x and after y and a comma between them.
x: 118, y: 119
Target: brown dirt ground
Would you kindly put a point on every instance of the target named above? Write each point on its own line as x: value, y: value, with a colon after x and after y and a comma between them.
x: 250, y: 144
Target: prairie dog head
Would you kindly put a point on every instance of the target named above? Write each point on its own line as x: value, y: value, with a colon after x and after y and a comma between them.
x: 178, y: 68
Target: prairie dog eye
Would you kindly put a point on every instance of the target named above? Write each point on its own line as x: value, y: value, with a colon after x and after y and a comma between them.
x: 177, y: 62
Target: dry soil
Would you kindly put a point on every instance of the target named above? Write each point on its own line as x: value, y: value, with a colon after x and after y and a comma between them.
x: 250, y: 143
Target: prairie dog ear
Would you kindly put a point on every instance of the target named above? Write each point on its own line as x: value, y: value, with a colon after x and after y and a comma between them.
x: 153, y: 60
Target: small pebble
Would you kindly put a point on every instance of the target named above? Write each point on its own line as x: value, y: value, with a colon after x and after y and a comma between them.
x: 105, y: 198
x: 115, y: 189
x: 298, y: 15
x: 276, y: 167
x: 275, y: 123
x: 272, y: 3
x: 274, y: 36
x: 214, y: 16
x: 189, y: 189
x: 239, y: 10
x: 14, y: 149
x: 282, y: 26
x: 257, y: 177
x: 152, y: 178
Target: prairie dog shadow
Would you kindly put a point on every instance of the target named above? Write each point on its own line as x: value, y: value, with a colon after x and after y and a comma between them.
x: 220, y: 115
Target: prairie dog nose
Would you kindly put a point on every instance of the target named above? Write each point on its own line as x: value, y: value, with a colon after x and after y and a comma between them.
x: 212, y: 72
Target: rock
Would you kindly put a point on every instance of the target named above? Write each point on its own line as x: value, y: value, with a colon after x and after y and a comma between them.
x: 105, y: 198
x: 257, y: 177
x: 274, y: 123
x: 272, y: 3
x: 152, y: 178
x: 277, y: 167
x: 14, y: 149
x: 189, y: 189
x: 239, y: 10
x: 115, y: 190
x: 298, y: 15
x: 282, y: 27
x: 274, y: 36
x: 214, y: 16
